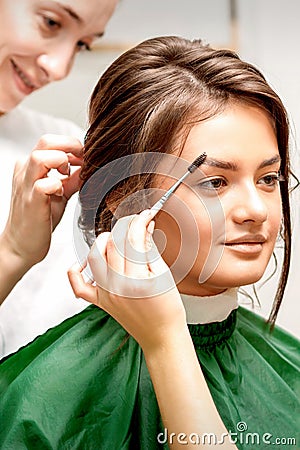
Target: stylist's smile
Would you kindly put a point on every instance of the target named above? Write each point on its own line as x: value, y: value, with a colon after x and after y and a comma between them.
x: 23, y: 81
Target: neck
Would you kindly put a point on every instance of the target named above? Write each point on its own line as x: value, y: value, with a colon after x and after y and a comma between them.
x: 207, y: 309
x: 200, y: 291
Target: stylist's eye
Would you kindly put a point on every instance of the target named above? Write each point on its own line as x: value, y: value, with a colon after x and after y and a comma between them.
x: 212, y: 184
x: 81, y: 46
x: 51, y: 23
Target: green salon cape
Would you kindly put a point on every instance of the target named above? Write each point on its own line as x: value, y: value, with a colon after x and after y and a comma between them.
x: 85, y: 385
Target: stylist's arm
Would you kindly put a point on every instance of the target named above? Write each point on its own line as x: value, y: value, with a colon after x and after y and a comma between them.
x: 37, y: 204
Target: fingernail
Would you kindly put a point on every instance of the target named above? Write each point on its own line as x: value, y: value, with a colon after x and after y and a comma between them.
x: 60, y: 192
x: 65, y: 169
x: 146, y: 213
x: 150, y: 227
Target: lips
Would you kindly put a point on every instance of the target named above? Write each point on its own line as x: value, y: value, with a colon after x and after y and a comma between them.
x: 247, y: 239
x: 24, y: 82
x: 247, y: 244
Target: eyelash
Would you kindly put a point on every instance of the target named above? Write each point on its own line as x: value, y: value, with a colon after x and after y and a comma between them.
x: 274, y: 178
x: 82, y: 46
x: 208, y: 184
x: 51, y: 23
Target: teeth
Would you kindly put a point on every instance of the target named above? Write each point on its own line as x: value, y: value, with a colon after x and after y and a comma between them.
x: 23, y: 77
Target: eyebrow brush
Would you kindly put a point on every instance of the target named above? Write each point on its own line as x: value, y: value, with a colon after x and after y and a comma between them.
x: 195, y: 164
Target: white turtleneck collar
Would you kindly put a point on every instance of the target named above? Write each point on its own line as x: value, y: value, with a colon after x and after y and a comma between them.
x: 216, y: 308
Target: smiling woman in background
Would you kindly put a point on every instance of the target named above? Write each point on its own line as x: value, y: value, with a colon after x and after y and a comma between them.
x: 39, y: 40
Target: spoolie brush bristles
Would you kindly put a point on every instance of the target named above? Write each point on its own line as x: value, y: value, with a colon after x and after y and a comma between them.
x: 197, y: 163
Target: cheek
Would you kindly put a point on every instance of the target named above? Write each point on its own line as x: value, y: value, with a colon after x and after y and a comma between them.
x: 187, y: 232
x: 275, y: 224
x: 177, y: 234
x: 19, y: 29
x: 275, y: 217
x: 212, y: 227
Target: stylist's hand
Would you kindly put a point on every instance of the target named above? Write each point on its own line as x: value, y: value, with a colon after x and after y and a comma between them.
x: 133, y: 283
x: 38, y: 200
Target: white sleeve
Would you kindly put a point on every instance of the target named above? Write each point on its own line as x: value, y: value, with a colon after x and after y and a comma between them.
x: 43, y: 298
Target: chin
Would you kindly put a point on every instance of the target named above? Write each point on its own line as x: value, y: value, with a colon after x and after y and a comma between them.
x: 236, y: 275
x: 8, y: 104
x: 5, y: 108
x: 238, y: 280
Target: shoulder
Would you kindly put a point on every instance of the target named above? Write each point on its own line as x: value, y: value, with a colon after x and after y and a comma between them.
x: 48, y: 123
x: 24, y: 126
x: 276, y: 343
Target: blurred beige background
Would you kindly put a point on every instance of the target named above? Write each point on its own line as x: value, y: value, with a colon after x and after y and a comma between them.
x: 265, y: 32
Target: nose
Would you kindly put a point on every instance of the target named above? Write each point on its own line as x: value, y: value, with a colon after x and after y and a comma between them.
x: 56, y: 64
x: 250, y: 205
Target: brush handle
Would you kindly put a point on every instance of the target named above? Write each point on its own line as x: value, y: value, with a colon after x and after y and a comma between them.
x: 160, y: 203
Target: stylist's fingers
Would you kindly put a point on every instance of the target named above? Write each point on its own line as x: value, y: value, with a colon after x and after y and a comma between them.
x: 97, y: 260
x: 116, y: 247
x: 53, y: 152
x: 41, y: 162
x: 67, y: 144
x: 71, y: 184
x: 47, y: 186
x: 137, y: 246
x: 150, y: 263
x: 81, y: 288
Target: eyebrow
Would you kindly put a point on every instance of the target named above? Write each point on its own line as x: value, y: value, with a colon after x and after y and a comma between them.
x: 270, y: 162
x: 76, y: 17
x: 228, y: 165
x: 71, y: 13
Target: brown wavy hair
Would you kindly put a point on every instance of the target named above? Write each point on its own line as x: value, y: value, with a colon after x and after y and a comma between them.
x: 149, y: 99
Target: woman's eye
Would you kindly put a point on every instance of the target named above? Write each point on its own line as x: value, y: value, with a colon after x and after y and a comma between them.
x: 83, y: 46
x: 51, y: 23
x: 212, y: 184
x: 271, y: 180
